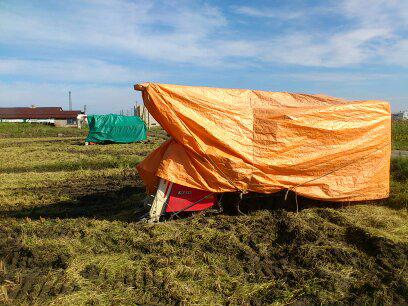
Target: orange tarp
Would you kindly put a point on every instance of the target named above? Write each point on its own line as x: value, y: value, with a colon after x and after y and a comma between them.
x: 249, y: 140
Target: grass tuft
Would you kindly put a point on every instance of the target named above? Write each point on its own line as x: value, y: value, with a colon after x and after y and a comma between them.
x: 399, y: 169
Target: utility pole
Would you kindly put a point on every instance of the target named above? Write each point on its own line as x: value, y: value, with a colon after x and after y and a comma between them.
x: 85, y: 109
x: 70, y: 102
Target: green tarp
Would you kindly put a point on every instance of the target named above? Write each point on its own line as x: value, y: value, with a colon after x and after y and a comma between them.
x: 115, y: 128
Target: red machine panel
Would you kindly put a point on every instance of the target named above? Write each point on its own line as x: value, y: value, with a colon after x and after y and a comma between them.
x: 182, y: 197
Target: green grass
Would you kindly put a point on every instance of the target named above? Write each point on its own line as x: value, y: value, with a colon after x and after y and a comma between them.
x: 399, y: 169
x: 18, y: 130
x: 68, y: 236
x: 399, y: 183
x: 400, y: 135
x: 68, y: 155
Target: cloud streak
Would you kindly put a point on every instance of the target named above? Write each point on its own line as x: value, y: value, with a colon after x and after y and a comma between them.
x: 78, y: 70
x: 201, y: 35
x: 268, y: 13
x: 335, y: 77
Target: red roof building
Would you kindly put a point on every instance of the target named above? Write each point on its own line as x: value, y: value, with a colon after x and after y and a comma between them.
x: 54, y: 115
x: 37, y: 113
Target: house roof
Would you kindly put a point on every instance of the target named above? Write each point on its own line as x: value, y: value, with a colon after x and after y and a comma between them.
x: 37, y: 113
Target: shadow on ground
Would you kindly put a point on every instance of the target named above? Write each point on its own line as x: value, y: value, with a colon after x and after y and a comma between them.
x: 125, y: 204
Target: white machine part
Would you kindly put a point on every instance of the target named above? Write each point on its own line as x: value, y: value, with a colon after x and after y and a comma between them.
x: 158, y: 205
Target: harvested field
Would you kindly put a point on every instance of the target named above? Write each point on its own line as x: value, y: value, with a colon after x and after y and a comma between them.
x: 68, y: 236
x: 24, y: 130
x: 400, y: 135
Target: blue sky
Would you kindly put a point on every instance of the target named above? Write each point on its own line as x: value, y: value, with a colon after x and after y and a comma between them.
x: 354, y: 49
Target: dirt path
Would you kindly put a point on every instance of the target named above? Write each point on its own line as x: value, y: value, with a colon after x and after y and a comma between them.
x: 399, y: 153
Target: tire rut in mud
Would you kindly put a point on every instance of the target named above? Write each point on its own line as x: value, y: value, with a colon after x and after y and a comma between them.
x: 27, y: 276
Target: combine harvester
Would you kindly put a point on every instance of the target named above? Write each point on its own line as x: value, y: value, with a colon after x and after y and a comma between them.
x: 235, y: 144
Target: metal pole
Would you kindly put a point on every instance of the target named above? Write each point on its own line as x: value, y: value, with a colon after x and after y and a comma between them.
x: 70, y: 102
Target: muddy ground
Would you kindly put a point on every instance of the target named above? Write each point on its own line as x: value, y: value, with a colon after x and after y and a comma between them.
x: 82, y: 245
x: 312, y: 257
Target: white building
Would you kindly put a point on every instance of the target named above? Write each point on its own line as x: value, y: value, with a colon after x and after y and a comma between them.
x: 142, y: 112
x: 403, y: 115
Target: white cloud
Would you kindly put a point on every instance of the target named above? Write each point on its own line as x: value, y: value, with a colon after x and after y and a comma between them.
x: 371, y: 32
x: 342, y: 49
x: 268, y: 13
x: 169, y: 32
x: 200, y: 34
x: 398, y: 53
x: 376, y: 12
x: 386, y: 20
x: 338, y: 77
x: 79, y: 70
